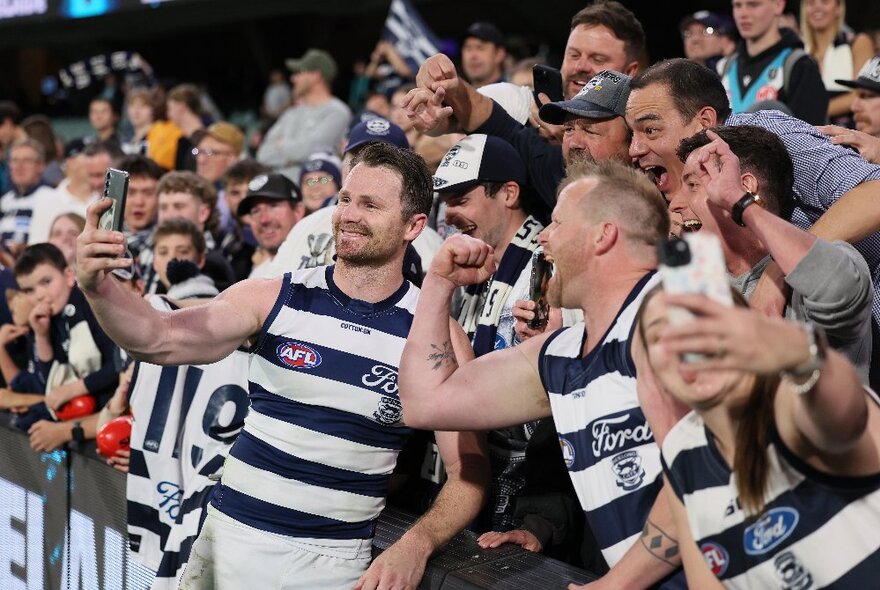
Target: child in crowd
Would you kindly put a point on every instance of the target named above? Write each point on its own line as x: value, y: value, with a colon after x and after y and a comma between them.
x: 176, y: 241
x: 70, y: 354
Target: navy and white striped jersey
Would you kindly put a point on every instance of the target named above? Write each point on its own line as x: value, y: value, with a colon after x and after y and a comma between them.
x: 325, y: 424
x: 185, y: 419
x: 607, y: 445
x: 816, y: 531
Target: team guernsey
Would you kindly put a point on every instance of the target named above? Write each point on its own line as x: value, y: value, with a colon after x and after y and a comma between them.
x: 816, y: 531
x: 607, y: 445
x: 186, y: 418
x: 325, y: 424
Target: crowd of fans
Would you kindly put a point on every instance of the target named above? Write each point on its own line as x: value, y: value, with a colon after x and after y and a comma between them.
x: 596, y: 404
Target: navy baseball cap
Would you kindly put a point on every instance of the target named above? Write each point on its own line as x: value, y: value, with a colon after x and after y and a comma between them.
x: 322, y: 163
x: 376, y: 131
x: 276, y: 187
x: 478, y: 158
x: 485, y: 32
x: 603, y: 97
x: 868, y: 78
x: 719, y: 23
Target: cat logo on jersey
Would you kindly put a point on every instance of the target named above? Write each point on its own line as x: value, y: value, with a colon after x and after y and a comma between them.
x: 298, y: 356
x: 716, y: 558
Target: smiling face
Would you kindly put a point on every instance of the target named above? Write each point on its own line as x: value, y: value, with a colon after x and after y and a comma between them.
x: 566, y: 244
x: 657, y: 129
x: 271, y: 220
x: 822, y: 14
x: 368, y: 224
x: 591, y: 139
x: 477, y: 214
x: 591, y: 49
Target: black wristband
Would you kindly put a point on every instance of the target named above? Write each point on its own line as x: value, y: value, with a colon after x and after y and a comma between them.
x: 740, y: 206
x: 77, y: 433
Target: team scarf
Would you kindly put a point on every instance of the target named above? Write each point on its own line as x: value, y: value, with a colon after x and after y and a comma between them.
x: 482, y: 304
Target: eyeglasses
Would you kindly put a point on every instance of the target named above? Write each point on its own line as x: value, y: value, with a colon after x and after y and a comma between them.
x: 320, y: 180
x: 209, y: 153
x: 707, y: 32
x: 18, y: 161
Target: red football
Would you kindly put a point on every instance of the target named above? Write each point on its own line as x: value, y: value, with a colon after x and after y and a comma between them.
x: 114, y: 436
x: 81, y: 405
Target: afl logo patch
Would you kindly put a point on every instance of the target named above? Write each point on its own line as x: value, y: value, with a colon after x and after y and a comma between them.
x: 716, y: 558
x: 298, y: 356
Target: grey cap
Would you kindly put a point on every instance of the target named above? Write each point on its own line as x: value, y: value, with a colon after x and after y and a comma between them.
x: 604, y: 97
x: 314, y: 60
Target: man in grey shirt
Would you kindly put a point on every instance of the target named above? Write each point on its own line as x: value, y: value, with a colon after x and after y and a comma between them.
x: 738, y: 179
x: 317, y: 119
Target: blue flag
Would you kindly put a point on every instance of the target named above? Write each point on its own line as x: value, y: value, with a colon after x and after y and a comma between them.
x: 409, y: 35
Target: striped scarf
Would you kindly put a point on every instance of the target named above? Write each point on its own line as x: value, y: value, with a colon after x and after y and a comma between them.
x: 482, y: 304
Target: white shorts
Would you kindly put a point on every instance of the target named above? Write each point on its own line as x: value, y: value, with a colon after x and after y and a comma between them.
x: 230, y: 555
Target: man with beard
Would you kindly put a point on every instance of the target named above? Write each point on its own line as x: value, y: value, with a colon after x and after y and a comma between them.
x: 834, y: 192
x: 604, y: 36
x: 306, y: 479
x: 272, y: 206
x: 602, y: 241
x: 317, y: 119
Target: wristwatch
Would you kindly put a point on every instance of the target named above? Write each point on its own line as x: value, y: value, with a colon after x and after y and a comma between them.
x: 749, y: 198
x: 804, y: 377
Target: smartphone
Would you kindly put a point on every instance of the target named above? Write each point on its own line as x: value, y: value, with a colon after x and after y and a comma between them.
x: 541, y: 273
x: 694, y: 264
x: 115, y: 188
x: 549, y: 81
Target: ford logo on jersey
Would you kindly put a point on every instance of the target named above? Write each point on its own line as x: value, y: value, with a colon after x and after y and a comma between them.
x: 298, y: 356
x: 771, y: 530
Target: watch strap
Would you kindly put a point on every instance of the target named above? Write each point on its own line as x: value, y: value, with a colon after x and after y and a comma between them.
x: 749, y: 198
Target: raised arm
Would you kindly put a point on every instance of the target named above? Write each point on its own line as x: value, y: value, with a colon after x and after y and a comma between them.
x: 197, y: 335
x: 829, y: 417
x: 496, y: 390
x: 469, y: 106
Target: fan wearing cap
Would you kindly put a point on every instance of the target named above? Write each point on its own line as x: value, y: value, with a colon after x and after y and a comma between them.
x: 483, y: 53
x: 866, y: 112
x: 273, y: 205
x: 707, y: 37
x: 320, y: 181
x: 218, y: 149
x: 316, y: 119
x: 603, y: 36
x: 481, y: 181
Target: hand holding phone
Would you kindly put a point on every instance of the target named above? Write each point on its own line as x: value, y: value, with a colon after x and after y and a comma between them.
x: 115, y: 188
x: 693, y: 265
x: 547, y: 81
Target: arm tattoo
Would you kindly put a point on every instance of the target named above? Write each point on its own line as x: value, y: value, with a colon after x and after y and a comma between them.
x: 442, y: 354
x: 660, y: 545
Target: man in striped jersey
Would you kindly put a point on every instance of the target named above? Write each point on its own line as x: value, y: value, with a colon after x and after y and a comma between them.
x: 306, y: 480
x: 602, y: 241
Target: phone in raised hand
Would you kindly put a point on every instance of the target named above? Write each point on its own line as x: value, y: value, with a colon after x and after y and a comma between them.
x: 115, y: 188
